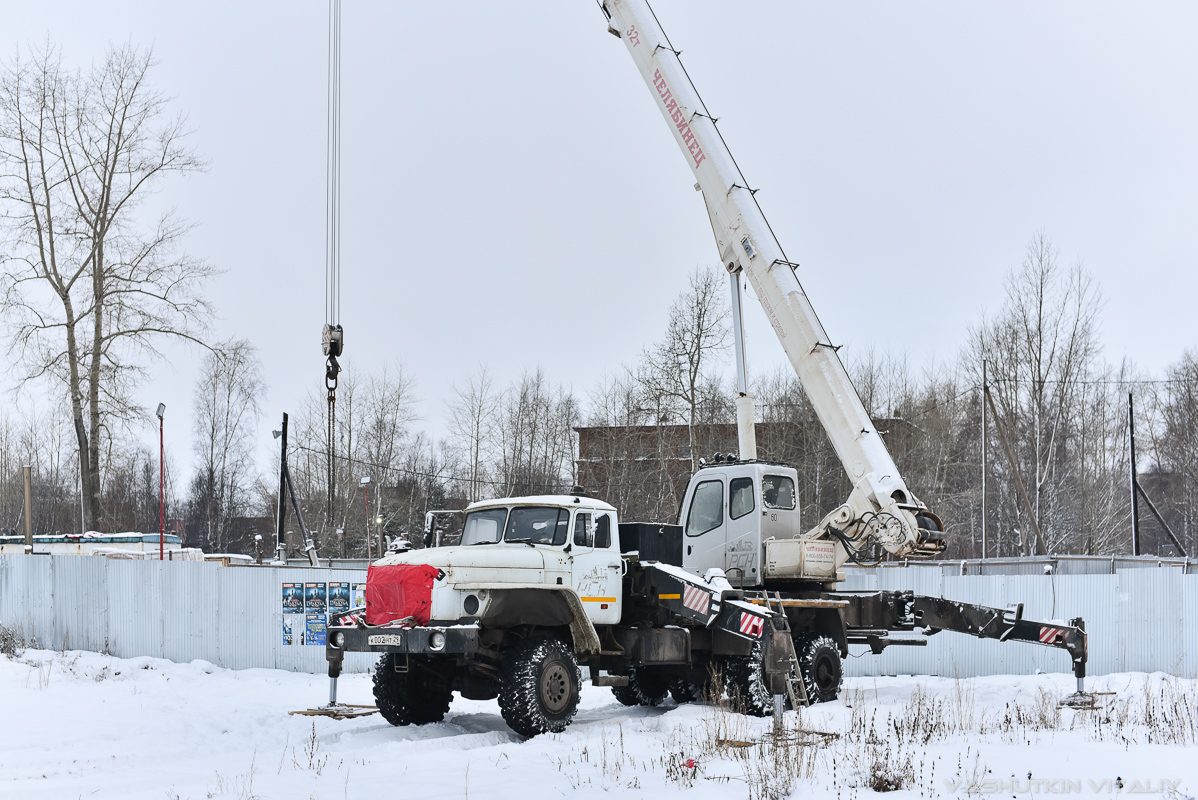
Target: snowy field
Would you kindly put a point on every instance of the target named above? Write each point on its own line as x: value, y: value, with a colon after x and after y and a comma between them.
x: 84, y: 725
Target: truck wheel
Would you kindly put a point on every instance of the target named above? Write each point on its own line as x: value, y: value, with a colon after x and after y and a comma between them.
x: 819, y: 664
x: 709, y: 689
x: 683, y: 691
x: 644, y: 688
x: 745, y: 683
x: 538, y: 687
x: 408, y: 698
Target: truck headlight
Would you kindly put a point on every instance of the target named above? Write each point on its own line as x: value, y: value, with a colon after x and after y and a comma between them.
x: 470, y: 604
x: 436, y: 641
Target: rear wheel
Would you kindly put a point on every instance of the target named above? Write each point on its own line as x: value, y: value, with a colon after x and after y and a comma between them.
x: 683, y: 691
x: 819, y: 664
x: 645, y: 688
x: 709, y: 687
x: 538, y: 689
x: 745, y: 683
x: 414, y: 697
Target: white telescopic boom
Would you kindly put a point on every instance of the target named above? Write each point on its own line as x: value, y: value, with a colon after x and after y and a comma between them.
x: 746, y: 243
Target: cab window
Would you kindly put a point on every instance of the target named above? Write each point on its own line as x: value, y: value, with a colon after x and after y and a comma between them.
x: 537, y: 525
x: 707, y: 508
x: 740, y: 497
x: 483, y: 527
x: 778, y: 491
x: 603, y: 531
x: 582, y: 531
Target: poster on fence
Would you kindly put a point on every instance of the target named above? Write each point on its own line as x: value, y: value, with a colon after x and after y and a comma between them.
x: 314, y: 598
x: 293, y: 598
x: 338, y: 597
x: 293, y: 628
x: 314, y: 629
x: 359, y: 595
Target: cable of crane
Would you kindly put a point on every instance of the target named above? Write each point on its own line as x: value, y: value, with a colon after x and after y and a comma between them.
x: 332, y: 338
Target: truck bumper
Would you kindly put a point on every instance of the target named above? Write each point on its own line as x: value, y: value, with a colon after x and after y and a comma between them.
x: 453, y: 640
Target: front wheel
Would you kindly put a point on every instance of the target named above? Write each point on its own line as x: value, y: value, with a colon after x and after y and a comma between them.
x: 538, y: 686
x: 412, y: 697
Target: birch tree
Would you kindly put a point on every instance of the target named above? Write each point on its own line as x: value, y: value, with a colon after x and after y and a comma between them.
x: 91, y: 285
x: 471, y: 424
x: 676, y: 371
x: 227, y: 411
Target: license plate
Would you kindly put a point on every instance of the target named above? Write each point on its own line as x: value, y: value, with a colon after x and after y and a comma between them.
x: 390, y: 639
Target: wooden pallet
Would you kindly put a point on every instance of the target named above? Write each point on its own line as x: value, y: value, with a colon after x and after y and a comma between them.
x: 338, y: 711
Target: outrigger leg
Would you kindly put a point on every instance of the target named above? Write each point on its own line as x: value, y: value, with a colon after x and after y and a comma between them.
x: 336, y: 658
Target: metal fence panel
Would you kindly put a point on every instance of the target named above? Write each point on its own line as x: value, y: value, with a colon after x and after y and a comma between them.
x: 1189, y: 628
x: 79, y: 596
x: 1150, y: 608
x: 1092, y: 597
x: 26, y: 602
x: 190, y: 612
x: 242, y: 595
x: 134, y: 606
x: 1137, y: 619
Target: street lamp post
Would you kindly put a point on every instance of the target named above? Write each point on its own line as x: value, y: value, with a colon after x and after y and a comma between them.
x: 365, y: 484
x: 161, y: 483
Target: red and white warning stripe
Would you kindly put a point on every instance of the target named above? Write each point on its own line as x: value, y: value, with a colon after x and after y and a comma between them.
x: 696, y: 599
x: 1051, y: 635
x: 751, y: 624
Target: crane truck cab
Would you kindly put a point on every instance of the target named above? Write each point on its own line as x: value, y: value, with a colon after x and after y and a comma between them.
x: 743, y: 517
x: 533, y: 559
x: 730, y: 510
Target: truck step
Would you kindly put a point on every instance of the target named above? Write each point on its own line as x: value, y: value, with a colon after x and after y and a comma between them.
x: 609, y: 680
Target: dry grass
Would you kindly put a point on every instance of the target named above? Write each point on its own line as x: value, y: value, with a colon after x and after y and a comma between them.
x: 12, y: 642
x: 1164, y: 711
x: 887, y: 753
x: 724, y: 747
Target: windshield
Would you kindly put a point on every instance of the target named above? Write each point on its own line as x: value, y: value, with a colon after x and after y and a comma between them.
x: 538, y: 525
x: 483, y: 527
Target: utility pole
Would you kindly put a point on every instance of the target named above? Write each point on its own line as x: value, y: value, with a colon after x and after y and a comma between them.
x: 1137, y: 489
x: 282, y: 515
x: 365, y: 484
x: 28, y: 510
x: 1135, y: 506
x: 161, y: 482
x: 985, y: 425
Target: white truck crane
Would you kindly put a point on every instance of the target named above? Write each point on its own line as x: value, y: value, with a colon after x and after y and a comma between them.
x: 880, y: 508
x: 541, y: 585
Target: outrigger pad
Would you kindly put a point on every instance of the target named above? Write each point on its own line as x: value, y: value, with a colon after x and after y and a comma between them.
x: 337, y: 711
x: 398, y: 591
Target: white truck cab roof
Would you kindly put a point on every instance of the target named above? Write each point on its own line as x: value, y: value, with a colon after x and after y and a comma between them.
x: 559, y: 500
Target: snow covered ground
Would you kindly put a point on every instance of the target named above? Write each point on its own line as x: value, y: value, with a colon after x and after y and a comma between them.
x: 84, y: 725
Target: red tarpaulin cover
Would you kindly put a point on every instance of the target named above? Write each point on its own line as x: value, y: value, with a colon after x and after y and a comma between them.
x: 398, y: 591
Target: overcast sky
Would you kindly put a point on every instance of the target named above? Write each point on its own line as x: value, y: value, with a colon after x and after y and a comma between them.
x: 511, y: 196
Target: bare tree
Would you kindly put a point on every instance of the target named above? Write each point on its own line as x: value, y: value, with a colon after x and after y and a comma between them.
x: 90, y: 287
x: 1042, y: 348
x: 471, y: 418
x: 226, y: 419
x: 535, y: 439
x: 675, y: 373
x: 1174, y: 439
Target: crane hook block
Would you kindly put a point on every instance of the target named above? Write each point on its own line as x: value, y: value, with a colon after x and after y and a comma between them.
x: 332, y: 340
